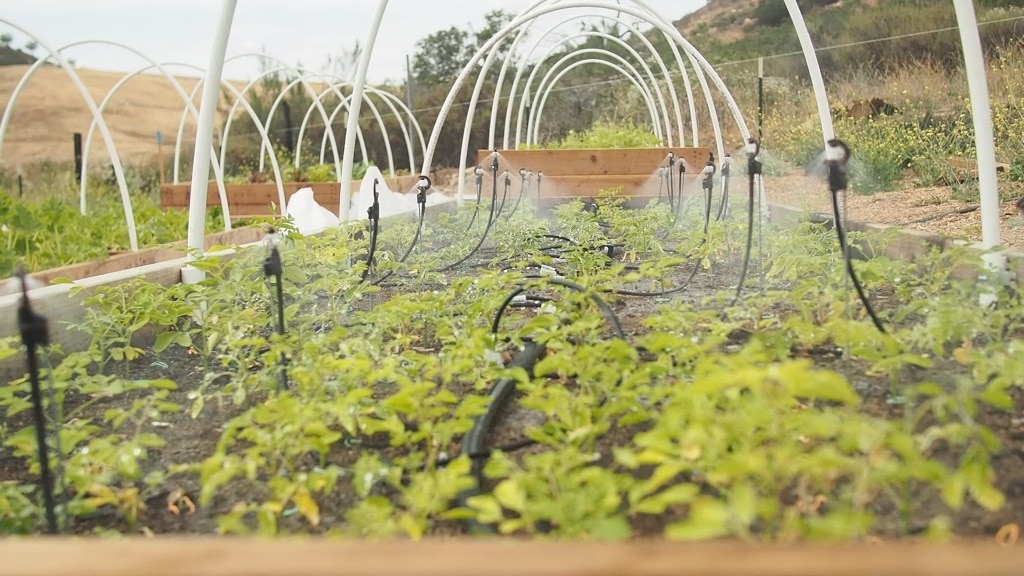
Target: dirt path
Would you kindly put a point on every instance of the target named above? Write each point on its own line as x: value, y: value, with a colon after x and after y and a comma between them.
x: 930, y: 209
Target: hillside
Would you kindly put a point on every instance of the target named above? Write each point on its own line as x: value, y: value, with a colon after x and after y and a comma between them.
x: 50, y: 110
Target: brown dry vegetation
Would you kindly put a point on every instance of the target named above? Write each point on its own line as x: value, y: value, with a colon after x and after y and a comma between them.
x: 50, y: 110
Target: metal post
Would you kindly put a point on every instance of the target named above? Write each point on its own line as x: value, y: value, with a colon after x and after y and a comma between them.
x: 760, y: 100
x: 77, y: 137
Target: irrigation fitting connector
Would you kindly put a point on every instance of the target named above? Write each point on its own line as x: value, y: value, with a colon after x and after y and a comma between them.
x: 272, y: 267
x: 752, y: 149
x: 723, y: 205
x: 422, y: 185
x: 708, y: 173
x: 34, y: 335
x: 837, y: 157
x: 373, y: 212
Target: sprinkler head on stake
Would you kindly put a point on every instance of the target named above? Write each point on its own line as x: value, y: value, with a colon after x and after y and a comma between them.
x: 837, y: 156
x: 478, y: 171
x: 726, y: 164
x: 272, y: 239
x: 752, y: 148
x: 522, y: 173
x: 421, y: 189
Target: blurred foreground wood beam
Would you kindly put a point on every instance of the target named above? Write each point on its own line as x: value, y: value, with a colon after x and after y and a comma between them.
x: 174, y: 556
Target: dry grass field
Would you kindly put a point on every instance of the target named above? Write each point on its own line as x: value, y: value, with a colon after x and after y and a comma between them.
x: 50, y: 110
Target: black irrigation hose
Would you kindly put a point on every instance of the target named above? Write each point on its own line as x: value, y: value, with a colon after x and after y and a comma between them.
x: 474, y: 444
x: 522, y: 192
x: 479, y: 173
x: 838, y: 179
x: 753, y: 172
x: 504, y: 194
x: 605, y: 308
x: 421, y: 202
x: 373, y: 212
x: 723, y: 204
x: 34, y: 334
x: 273, y: 268
x: 490, y: 219
x: 668, y: 176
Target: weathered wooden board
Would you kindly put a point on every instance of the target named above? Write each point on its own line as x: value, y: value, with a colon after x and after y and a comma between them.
x: 593, y: 162
x: 261, y: 198
x: 172, y: 556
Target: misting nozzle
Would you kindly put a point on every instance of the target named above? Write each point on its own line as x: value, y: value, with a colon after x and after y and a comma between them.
x: 424, y: 182
x: 753, y: 147
x: 478, y: 171
x: 494, y: 161
x: 837, y: 154
x: 837, y: 151
x: 522, y: 173
x: 272, y: 239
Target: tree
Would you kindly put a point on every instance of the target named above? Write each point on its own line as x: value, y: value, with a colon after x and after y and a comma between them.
x: 441, y: 56
x: 494, y: 21
x: 5, y: 39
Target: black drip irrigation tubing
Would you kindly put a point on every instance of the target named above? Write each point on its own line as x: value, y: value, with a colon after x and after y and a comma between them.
x: 474, y: 443
x: 479, y: 173
x: 838, y: 179
x: 35, y: 335
x: 421, y: 202
x: 490, y: 219
x: 522, y: 191
x: 753, y: 172
x: 373, y: 213
x: 273, y: 268
x: 723, y: 205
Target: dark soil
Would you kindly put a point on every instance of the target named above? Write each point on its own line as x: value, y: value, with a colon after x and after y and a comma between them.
x: 191, y: 440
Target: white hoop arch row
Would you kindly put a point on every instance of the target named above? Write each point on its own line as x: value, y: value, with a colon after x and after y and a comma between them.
x: 265, y: 145
x: 543, y: 92
x: 129, y: 215
x: 558, y: 71
x: 275, y: 166
x: 398, y: 109
x: 666, y: 129
x: 647, y: 11
x: 474, y: 99
x: 521, y: 34
x: 981, y: 112
x: 161, y: 67
x: 540, y: 11
x: 239, y: 99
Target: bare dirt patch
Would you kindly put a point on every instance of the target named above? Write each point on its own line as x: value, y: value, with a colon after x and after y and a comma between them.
x: 929, y: 209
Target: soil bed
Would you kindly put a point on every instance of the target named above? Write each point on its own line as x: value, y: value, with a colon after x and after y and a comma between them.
x: 421, y: 322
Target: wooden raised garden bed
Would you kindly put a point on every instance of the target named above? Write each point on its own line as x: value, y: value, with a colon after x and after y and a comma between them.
x: 583, y: 173
x: 262, y: 199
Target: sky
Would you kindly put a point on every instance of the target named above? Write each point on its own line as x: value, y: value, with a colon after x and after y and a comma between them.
x: 295, y: 31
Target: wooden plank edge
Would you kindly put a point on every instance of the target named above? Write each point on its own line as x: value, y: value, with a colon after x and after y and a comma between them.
x: 175, y: 556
